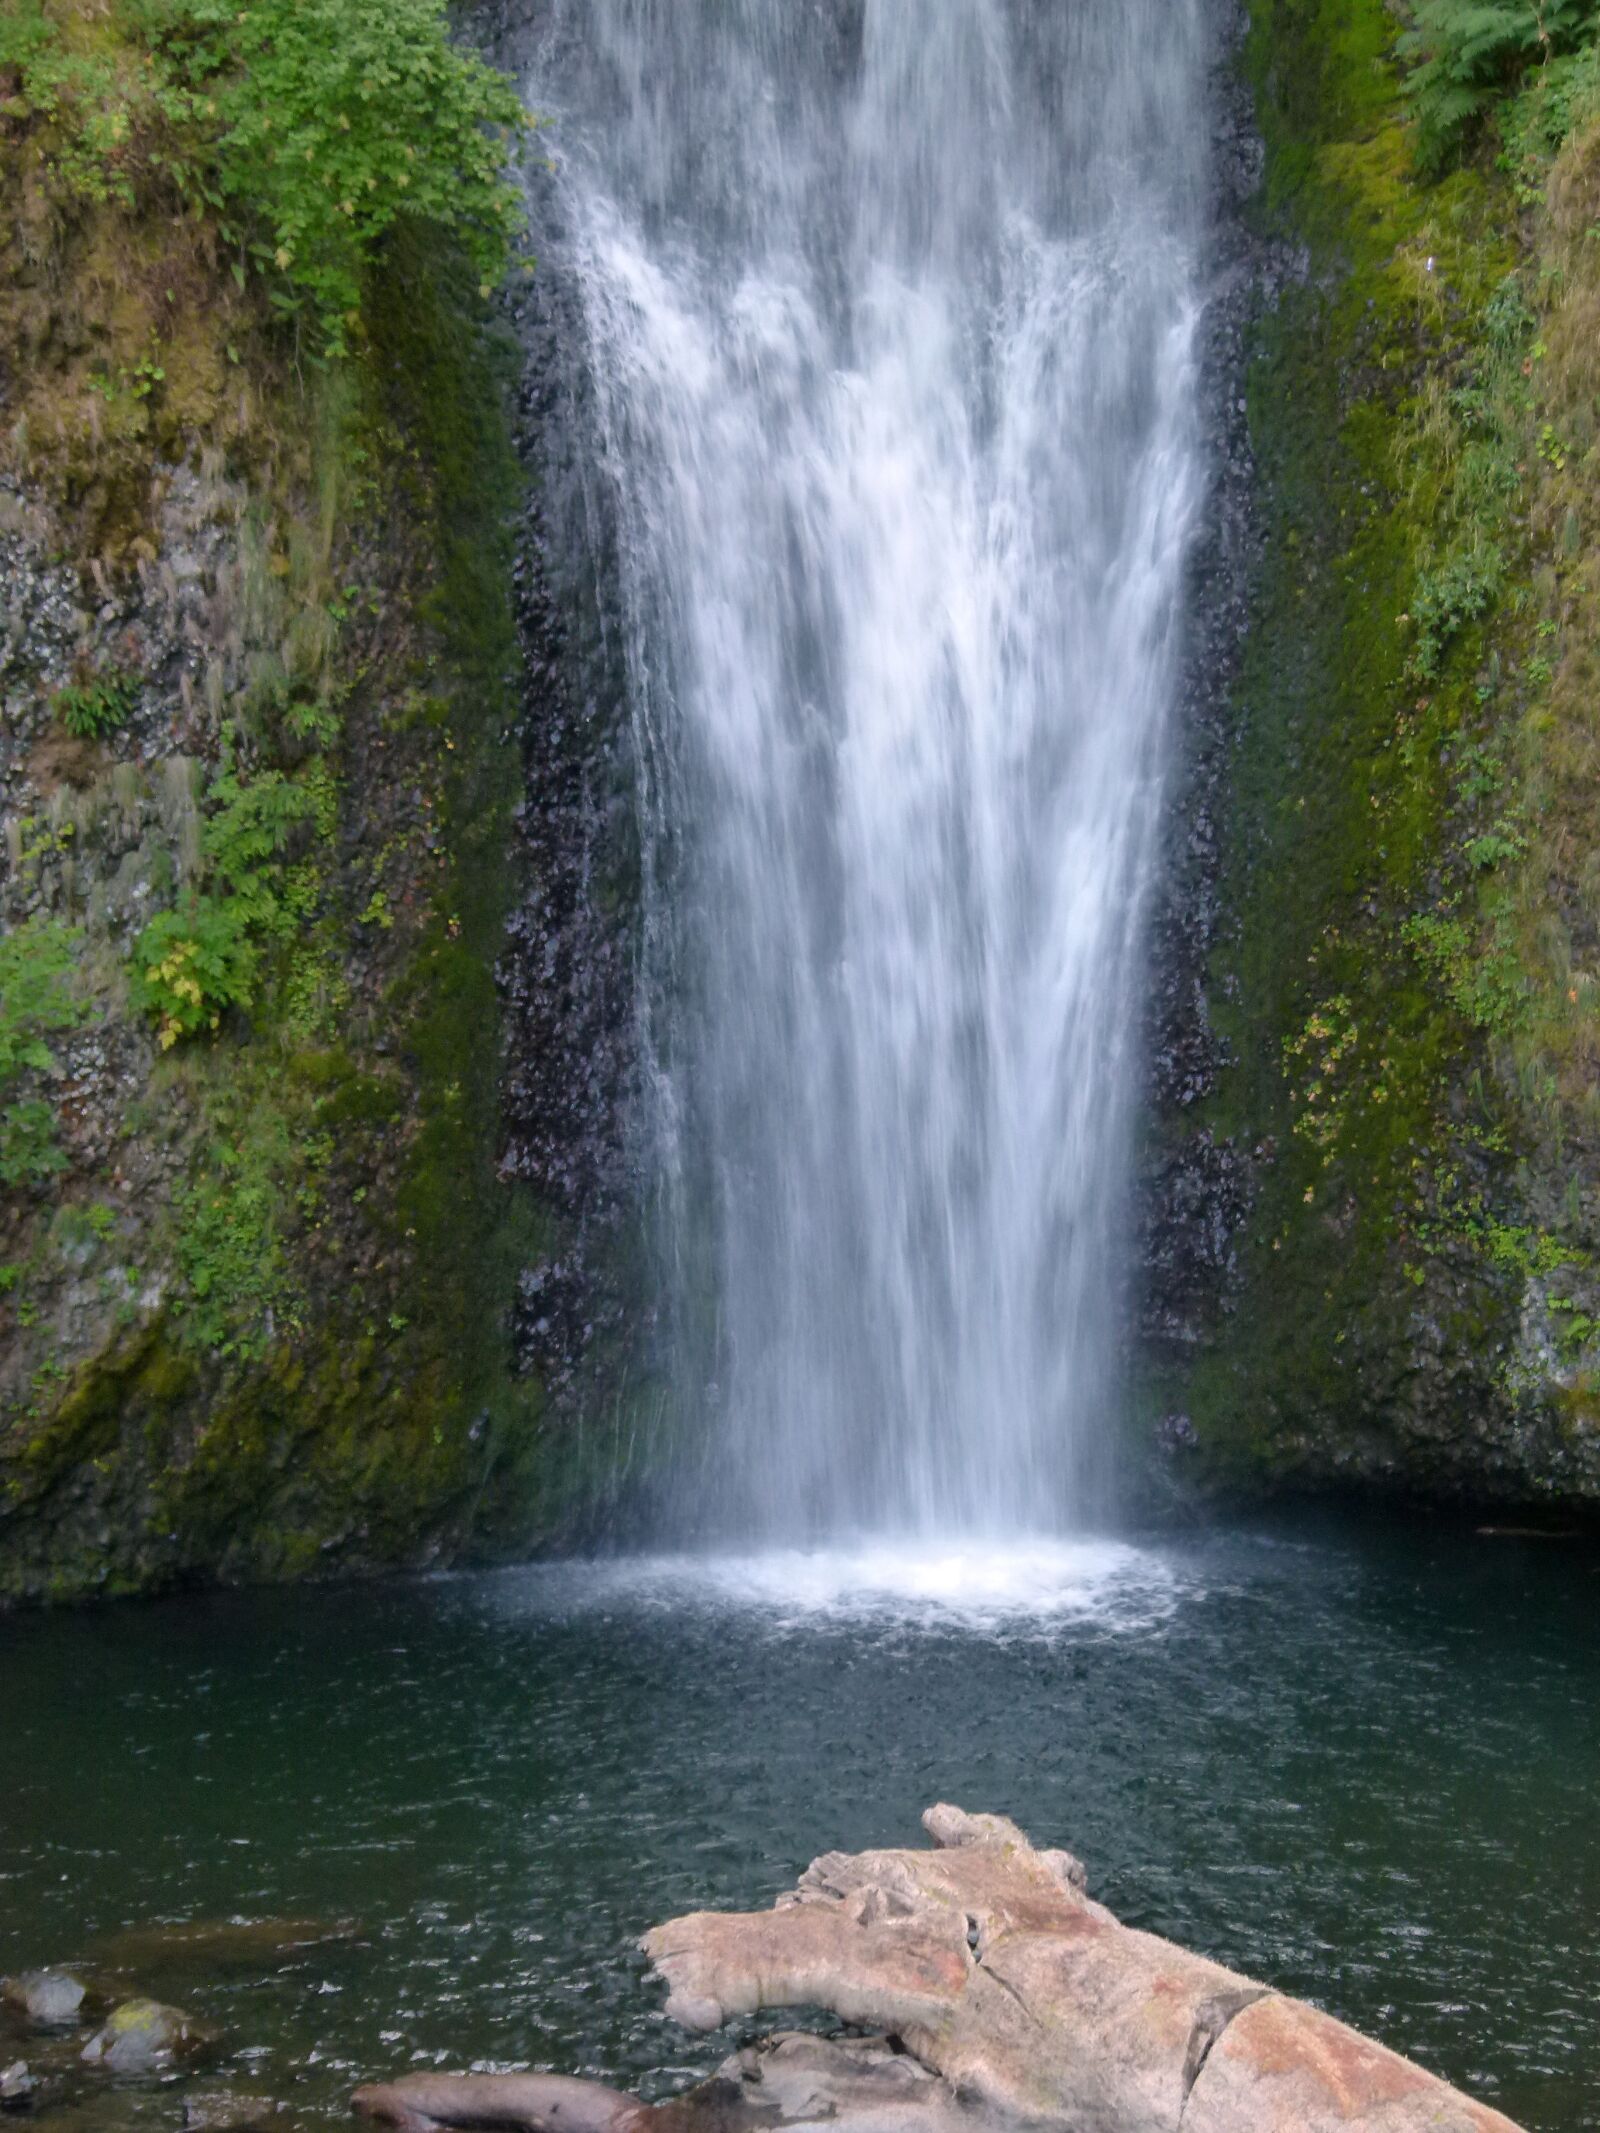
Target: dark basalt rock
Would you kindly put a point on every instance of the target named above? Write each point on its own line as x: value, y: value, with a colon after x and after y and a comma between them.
x: 1193, y: 1190
x: 567, y: 974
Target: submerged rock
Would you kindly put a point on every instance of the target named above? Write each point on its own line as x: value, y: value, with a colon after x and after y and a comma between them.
x: 16, y: 2086
x: 216, y: 1942
x: 230, y: 2111
x: 551, y: 2103
x: 129, y: 2110
x: 51, y: 1998
x: 141, y: 2035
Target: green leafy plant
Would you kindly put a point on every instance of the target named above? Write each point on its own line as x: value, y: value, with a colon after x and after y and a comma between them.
x: 1313, y: 1059
x: 230, y: 1247
x: 36, y: 999
x: 90, y: 710
x: 191, y: 964
x: 141, y: 383
x: 116, y: 119
x: 28, y: 1146
x: 1551, y: 449
x: 1484, y: 979
x: 1555, y: 99
x: 254, y: 823
x: 1494, y: 847
x: 1507, y: 318
x: 305, y: 128
x: 1461, y: 588
x: 339, y: 118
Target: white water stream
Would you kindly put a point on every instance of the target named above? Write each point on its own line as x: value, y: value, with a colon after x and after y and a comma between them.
x: 890, y: 310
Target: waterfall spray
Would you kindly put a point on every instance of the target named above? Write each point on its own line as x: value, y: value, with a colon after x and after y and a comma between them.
x: 890, y: 316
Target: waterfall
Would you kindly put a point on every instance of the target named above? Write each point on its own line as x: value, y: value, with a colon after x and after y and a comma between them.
x: 888, y: 318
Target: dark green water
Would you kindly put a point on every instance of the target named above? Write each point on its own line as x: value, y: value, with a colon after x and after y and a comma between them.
x: 1366, y: 1768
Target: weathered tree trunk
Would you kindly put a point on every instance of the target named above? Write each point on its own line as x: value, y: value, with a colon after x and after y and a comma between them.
x: 990, y: 1964
x: 1002, y: 1995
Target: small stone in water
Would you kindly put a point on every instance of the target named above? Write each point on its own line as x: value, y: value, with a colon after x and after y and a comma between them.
x: 16, y: 2086
x: 142, y: 2034
x: 50, y: 1997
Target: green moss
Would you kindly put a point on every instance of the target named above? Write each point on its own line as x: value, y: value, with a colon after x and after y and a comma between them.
x: 394, y: 1424
x: 1345, y: 1054
x: 331, y: 1383
x: 447, y: 378
x: 1397, y: 978
x: 146, y: 1374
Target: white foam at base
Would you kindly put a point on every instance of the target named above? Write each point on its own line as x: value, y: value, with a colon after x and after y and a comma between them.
x: 955, y: 1581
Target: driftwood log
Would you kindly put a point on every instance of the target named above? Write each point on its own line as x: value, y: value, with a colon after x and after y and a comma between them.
x: 1001, y: 1995
x: 550, y: 2103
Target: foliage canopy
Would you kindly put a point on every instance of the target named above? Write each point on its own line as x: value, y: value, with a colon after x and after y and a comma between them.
x: 1467, y: 56
x: 306, y: 128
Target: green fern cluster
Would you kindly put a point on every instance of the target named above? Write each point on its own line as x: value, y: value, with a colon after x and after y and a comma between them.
x: 92, y: 710
x: 1467, y: 56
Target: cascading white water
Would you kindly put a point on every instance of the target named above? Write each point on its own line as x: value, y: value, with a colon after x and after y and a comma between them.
x: 890, y: 310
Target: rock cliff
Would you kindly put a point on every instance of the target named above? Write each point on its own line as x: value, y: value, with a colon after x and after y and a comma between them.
x: 268, y: 702
x: 1371, y: 1180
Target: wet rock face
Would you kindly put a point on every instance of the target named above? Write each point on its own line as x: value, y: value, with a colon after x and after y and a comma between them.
x: 1386, y: 1321
x: 170, y: 625
x: 1197, y: 1194
x: 1193, y: 1188
x: 567, y: 974
x: 215, y: 1258
x: 100, y: 838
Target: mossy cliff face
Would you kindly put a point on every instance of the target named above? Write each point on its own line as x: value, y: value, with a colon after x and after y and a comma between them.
x: 1377, y: 1208
x: 262, y: 689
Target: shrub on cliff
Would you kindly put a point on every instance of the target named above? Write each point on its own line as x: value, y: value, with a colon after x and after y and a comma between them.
x: 190, y: 964
x: 306, y: 129
x: 337, y: 118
